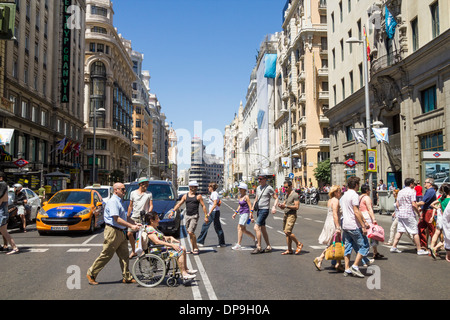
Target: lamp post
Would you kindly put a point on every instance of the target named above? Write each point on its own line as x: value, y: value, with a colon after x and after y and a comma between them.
x: 131, y: 155
x: 94, y: 167
x: 366, y: 93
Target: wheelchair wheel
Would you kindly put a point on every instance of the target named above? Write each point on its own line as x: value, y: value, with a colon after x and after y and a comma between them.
x: 172, y: 282
x: 149, y: 270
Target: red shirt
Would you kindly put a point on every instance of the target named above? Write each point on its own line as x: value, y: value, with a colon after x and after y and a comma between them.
x: 418, y: 190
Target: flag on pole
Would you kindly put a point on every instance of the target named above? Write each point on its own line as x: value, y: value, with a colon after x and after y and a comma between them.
x: 67, y: 147
x: 61, y: 144
x: 367, y: 43
x: 390, y: 23
x: 359, y: 136
x: 381, y: 134
x: 77, y: 148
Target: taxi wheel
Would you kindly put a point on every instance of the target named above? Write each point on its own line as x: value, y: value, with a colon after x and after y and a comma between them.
x: 92, y: 226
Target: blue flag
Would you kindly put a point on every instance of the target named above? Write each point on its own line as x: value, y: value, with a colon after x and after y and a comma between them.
x: 271, y: 65
x: 390, y: 23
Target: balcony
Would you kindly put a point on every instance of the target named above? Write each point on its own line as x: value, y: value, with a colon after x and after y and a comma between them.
x: 302, y: 121
x: 385, y: 61
x: 323, y: 120
x: 302, y: 76
x: 322, y: 72
x: 302, y: 98
x: 294, y: 127
x: 324, y: 142
x: 324, y: 95
x: 6, y: 105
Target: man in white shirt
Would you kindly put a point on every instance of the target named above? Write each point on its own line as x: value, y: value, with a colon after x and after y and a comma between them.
x: 140, y: 200
x: 354, y: 226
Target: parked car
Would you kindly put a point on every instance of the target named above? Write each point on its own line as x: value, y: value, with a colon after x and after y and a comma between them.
x: 105, y: 192
x: 164, y: 199
x: 33, y: 202
x: 71, y: 210
x: 182, y: 190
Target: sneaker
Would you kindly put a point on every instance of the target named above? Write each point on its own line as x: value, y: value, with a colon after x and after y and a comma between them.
x: 189, y: 277
x: 394, y: 250
x: 347, y: 273
x: 236, y: 247
x: 433, y: 253
x: 422, y: 252
x: 193, y: 271
x: 201, y: 245
x: 356, y: 273
x: 221, y: 246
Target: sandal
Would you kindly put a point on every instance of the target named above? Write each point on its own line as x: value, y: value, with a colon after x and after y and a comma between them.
x: 317, y: 264
x: 378, y: 256
x: 196, y: 251
x: 268, y: 249
x: 13, y: 251
x: 299, y: 248
x: 286, y: 252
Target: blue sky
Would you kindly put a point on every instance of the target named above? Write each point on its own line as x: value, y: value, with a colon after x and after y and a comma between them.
x: 200, y: 53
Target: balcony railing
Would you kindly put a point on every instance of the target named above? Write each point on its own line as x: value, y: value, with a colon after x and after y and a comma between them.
x: 385, y: 61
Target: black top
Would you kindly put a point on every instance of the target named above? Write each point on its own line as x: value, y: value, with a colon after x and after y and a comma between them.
x: 192, y: 205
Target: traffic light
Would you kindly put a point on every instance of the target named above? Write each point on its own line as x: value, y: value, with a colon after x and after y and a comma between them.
x: 7, y: 20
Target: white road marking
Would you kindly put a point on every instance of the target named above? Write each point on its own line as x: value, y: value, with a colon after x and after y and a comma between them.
x: 88, y: 240
x: 79, y: 250
x: 38, y: 250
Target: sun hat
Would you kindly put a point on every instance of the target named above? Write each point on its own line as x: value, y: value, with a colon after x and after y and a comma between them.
x: 193, y: 183
x: 143, y: 179
x: 243, y: 185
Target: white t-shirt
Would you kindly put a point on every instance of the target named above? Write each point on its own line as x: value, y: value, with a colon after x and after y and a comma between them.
x: 141, y: 201
x: 214, y: 196
x: 348, y: 200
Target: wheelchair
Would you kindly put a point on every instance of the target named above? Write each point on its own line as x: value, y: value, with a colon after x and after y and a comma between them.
x: 150, y: 269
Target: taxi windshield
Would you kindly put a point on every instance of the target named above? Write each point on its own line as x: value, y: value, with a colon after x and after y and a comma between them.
x: 71, y: 197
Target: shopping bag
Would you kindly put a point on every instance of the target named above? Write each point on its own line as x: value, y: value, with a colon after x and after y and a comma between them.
x: 138, y: 243
x: 375, y: 232
x: 336, y: 250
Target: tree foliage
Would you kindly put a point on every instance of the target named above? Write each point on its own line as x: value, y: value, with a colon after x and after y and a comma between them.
x: 322, y: 172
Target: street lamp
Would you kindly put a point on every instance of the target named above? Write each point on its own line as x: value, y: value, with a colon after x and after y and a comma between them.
x: 131, y: 154
x: 94, y: 168
x: 366, y: 91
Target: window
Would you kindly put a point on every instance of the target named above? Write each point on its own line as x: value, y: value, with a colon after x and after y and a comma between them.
x: 332, y: 21
x: 43, y: 118
x: 435, y: 19
x: 341, y: 14
x: 92, y: 47
x: 24, y: 112
x: 415, y: 34
x: 99, y: 11
x: 432, y: 142
x: 428, y: 99
x: 343, y: 88
x: 334, y: 59
x: 351, y: 82
x: 348, y: 133
x: 99, y: 30
x: 342, y: 49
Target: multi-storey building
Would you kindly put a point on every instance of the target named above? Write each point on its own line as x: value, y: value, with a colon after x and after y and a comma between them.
x: 409, y: 88
x: 44, y: 87
x: 108, y: 76
x: 159, y: 145
x: 302, y: 91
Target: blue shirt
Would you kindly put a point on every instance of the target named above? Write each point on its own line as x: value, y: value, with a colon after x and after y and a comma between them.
x: 428, y: 198
x: 114, y: 207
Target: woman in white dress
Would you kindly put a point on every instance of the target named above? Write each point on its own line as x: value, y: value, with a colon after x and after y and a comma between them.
x: 331, y: 226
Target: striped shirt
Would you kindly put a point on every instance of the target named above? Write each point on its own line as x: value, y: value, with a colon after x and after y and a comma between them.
x: 405, y: 199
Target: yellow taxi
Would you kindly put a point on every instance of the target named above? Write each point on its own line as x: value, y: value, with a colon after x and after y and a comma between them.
x: 71, y: 210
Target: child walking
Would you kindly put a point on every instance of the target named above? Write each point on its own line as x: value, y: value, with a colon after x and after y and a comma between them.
x: 245, y: 214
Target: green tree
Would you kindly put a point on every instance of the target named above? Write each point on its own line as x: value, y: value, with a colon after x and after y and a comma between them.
x: 323, y: 172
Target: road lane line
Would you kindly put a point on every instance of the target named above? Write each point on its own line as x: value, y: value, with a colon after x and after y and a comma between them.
x: 78, y: 250
x: 88, y: 240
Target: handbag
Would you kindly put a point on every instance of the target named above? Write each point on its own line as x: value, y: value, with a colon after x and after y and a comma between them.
x: 336, y: 250
x: 256, y: 206
x: 375, y: 232
x: 138, y: 244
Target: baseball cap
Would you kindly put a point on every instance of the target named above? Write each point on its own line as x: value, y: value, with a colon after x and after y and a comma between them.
x: 193, y: 183
x: 242, y: 185
x: 141, y: 180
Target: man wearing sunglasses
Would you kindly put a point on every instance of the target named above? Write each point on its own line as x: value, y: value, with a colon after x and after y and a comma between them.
x: 263, y: 194
x: 116, y: 224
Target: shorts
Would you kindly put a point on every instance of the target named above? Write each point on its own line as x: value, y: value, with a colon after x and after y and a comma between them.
x: 191, y: 222
x: 408, y: 225
x: 262, y: 216
x: 243, y: 218
x: 21, y: 210
x: 4, y: 214
x: 136, y: 220
x: 289, y: 222
x: 355, y: 239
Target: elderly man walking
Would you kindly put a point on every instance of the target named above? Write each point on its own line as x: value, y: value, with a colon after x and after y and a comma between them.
x: 427, y: 216
x: 116, y: 225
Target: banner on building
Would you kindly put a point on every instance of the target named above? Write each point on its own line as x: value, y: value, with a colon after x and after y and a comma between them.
x: 359, y: 136
x: 381, y: 134
x: 390, y: 23
x: 285, y: 162
x: 271, y: 65
x: 6, y: 136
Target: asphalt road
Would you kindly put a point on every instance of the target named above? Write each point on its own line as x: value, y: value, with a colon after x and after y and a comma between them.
x: 53, y: 267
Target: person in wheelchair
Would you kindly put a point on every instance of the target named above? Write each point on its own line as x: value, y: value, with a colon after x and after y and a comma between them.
x: 171, y: 245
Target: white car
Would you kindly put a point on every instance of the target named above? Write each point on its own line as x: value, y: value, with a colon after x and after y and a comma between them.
x: 106, y: 192
x: 33, y: 201
x: 182, y: 190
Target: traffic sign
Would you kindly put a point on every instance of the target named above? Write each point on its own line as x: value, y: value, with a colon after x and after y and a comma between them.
x: 291, y: 175
x: 21, y: 162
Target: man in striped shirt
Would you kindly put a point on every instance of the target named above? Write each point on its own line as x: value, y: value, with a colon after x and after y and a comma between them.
x: 407, y: 205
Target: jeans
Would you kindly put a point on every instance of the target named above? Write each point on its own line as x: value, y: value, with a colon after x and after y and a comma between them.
x: 355, y: 239
x: 214, y: 217
x: 4, y: 214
